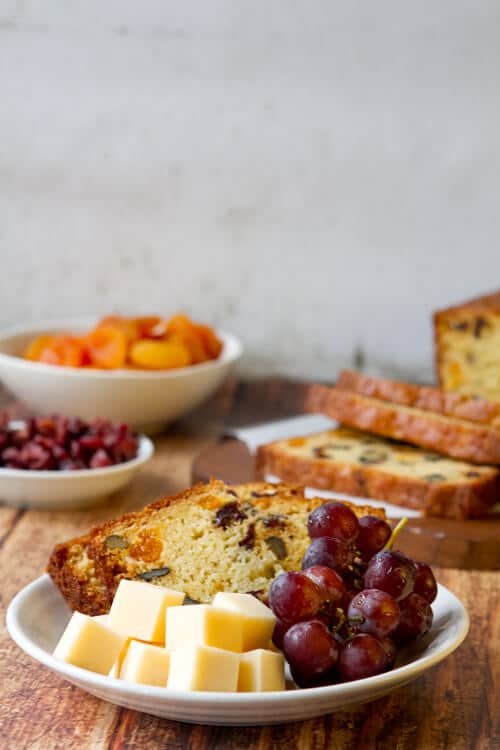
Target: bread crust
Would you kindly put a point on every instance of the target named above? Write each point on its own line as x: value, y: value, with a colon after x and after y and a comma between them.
x: 458, y: 501
x: 457, y: 438
x: 87, y: 572
x: 427, y: 398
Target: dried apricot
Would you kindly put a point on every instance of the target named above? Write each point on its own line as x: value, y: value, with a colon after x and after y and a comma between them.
x: 181, y: 328
x: 151, y: 327
x: 159, y: 355
x: 65, y: 350
x: 129, y: 326
x: 107, y: 347
x: 211, y: 342
x: 37, y: 346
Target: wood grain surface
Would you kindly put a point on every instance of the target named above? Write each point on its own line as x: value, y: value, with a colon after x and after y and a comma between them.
x: 455, y: 706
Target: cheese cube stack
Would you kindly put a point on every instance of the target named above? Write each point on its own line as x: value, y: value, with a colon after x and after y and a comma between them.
x: 258, y: 621
x: 198, y: 667
x: 89, y: 644
x: 138, y: 610
x: 149, y: 638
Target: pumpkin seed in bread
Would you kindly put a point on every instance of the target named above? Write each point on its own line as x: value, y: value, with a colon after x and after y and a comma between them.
x: 357, y: 463
x: 210, y: 538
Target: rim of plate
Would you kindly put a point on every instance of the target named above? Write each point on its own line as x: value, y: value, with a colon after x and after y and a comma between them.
x: 406, y: 672
x: 231, y: 352
x: 145, y: 451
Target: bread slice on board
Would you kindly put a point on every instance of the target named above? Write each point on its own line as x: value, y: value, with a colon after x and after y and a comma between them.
x: 212, y: 537
x: 458, y: 438
x: 357, y: 463
x: 428, y: 398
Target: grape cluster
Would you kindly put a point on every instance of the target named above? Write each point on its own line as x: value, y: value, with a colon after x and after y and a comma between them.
x: 353, y: 604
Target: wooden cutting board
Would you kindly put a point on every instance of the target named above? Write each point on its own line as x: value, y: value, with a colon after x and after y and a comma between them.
x: 452, y: 544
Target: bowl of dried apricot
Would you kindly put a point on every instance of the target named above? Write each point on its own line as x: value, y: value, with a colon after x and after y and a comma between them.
x: 145, y: 371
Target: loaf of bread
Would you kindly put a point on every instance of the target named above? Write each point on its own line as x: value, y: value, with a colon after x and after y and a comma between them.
x: 357, y: 463
x: 450, y: 403
x: 467, y: 347
x: 210, y: 538
x: 458, y: 438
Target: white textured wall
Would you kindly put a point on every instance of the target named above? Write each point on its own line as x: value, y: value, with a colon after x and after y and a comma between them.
x: 316, y: 176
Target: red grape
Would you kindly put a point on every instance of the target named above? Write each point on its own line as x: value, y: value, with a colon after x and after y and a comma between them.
x: 330, y: 583
x: 310, y: 649
x: 373, y: 534
x: 333, y: 520
x: 325, y: 550
x: 415, y: 619
x: 294, y: 597
x: 392, y: 572
x: 306, y: 681
x: 279, y: 631
x: 361, y: 656
x: 377, y: 610
x: 425, y: 583
x: 390, y: 650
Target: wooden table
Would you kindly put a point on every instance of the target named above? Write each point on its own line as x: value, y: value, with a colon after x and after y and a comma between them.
x: 454, y: 706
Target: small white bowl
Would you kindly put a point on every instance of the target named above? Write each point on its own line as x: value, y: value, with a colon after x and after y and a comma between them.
x: 68, y: 490
x: 145, y: 399
x: 37, y: 616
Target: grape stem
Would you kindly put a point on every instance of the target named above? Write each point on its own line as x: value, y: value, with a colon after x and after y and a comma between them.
x: 402, y: 523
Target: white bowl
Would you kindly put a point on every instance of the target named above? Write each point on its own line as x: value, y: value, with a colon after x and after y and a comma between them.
x: 145, y: 399
x: 55, y: 490
x: 38, y: 615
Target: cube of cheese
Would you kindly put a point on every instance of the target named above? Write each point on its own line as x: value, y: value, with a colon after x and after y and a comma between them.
x: 258, y: 623
x: 101, y: 618
x: 145, y: 664
x: 203, y: 668
x: 138, y: 610
x: 261, y: 670
x: 89, y: 644
x: 204, y: 625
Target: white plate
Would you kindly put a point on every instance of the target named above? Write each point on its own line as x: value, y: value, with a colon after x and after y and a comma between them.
x: 38, y: 614
x: 68, y: 490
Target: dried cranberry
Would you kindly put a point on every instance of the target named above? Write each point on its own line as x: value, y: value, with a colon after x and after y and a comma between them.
x: 45, y: 426
x: 100, y: 459
x: 91, y: 442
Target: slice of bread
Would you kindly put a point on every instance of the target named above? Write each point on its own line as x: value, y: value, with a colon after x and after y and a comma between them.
x: 356, y: 463
x: 467, y: 347
x: 210, y: 538
x: 459, y: 438
x: 428, y: 398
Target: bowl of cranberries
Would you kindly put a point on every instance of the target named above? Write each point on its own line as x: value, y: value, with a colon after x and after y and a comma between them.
x: 55, y: 462
x: 357, y: 607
